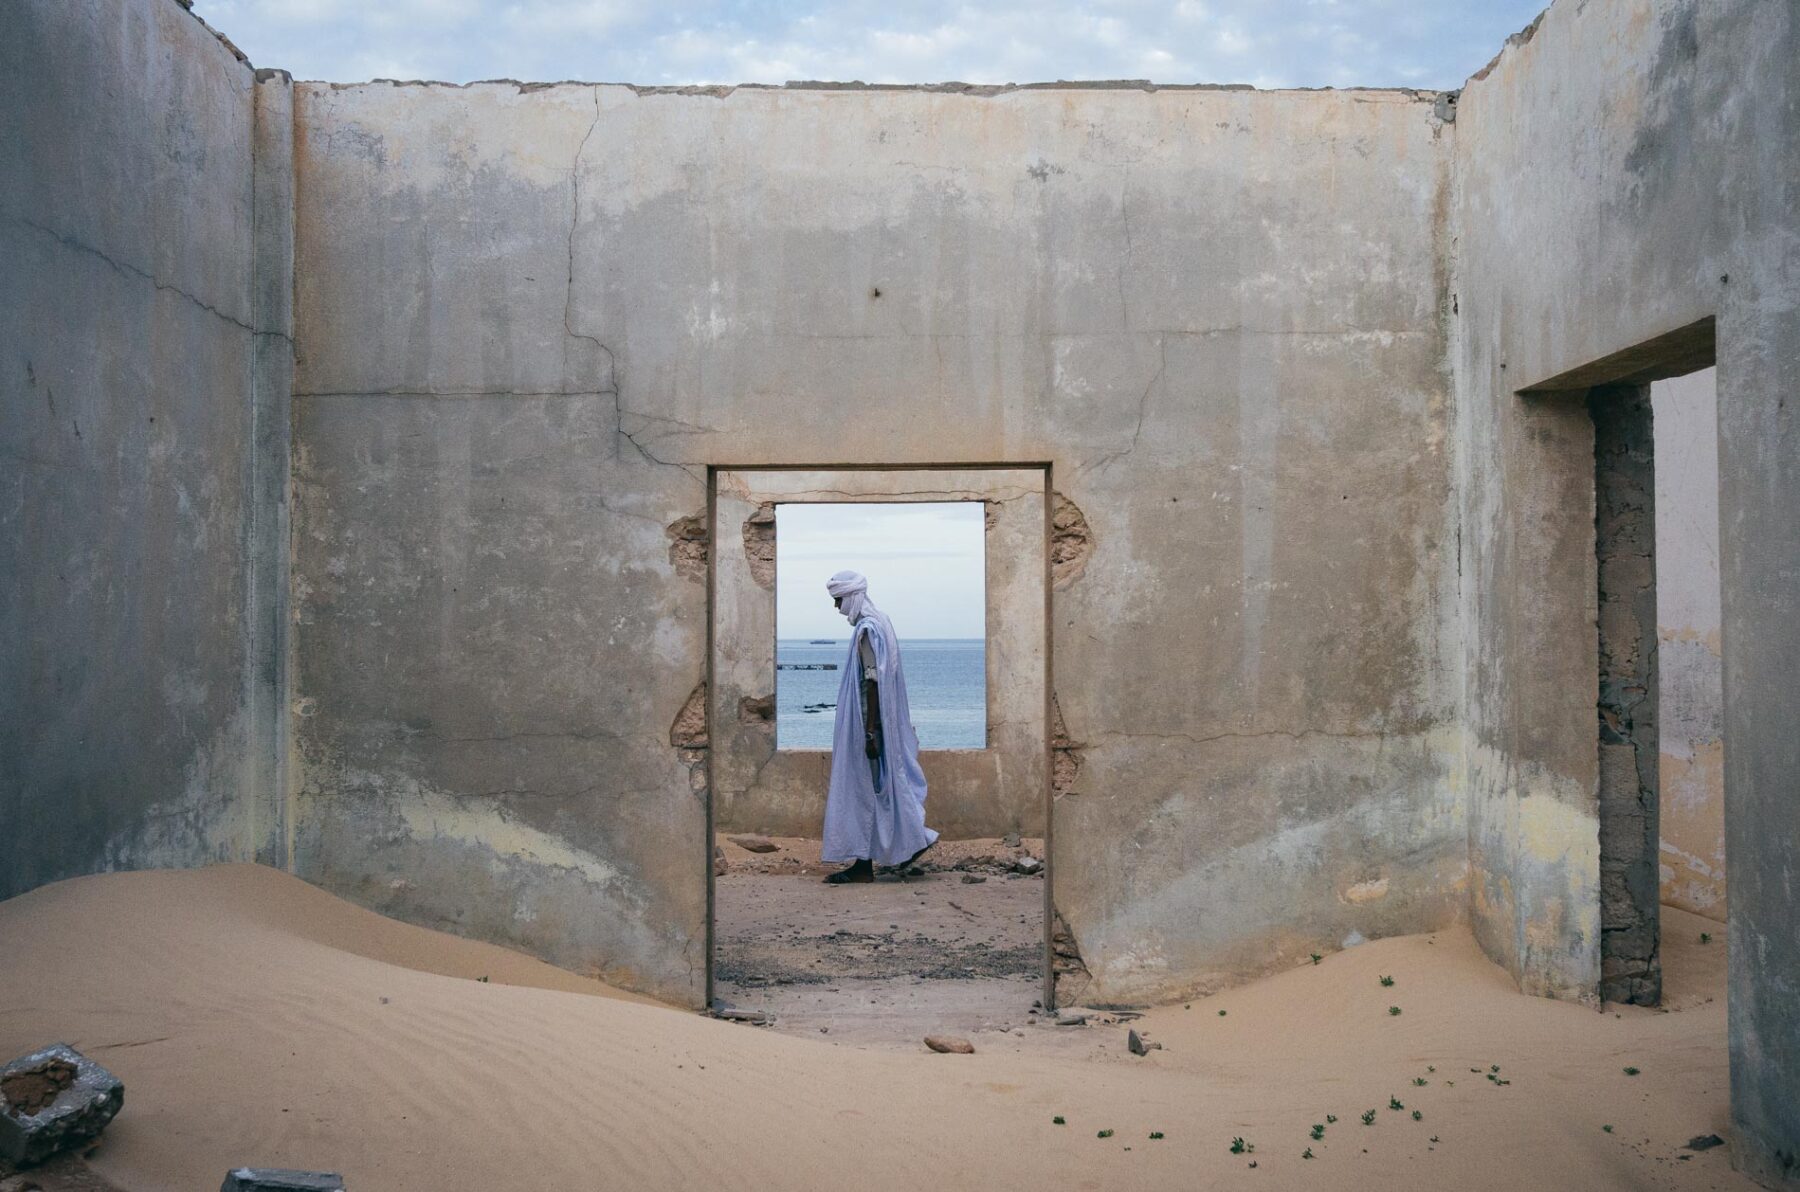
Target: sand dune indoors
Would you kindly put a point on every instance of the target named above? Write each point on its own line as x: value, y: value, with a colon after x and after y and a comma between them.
x: 255, y: 1019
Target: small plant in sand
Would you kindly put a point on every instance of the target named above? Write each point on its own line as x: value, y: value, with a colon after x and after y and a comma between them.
x: 1417, y: 1116
x: 1387, y: 982
x: 1318, y: 1132
x: 1418, y: 1082
x: 1706, y: 937
x: 1631, y: 1071
x: 1155, y: 1135
x: 1221, y: 1013
x: 1431, y: 1067
x: 1316, y: 958
x: 1607, y: 1128
x: 1307, y: 1153
x: 1058, y: 1120
x: 1104, y: 1134
x: 1493, y: 1067
x: 1394, y: 1010
x: 1368, y: 1117
x: 1394, y: 1103
x: 1331, y: 1119
x: 1240, y: 1147
x: 1434, y: 1138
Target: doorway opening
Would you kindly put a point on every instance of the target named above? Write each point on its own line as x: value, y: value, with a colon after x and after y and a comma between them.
x: 958, y: 560
x: 1659, y: 705
x: 1662, y: 824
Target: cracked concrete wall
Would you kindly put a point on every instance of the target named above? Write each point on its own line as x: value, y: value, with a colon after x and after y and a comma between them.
x: 135, y: 710
x: 1623, y: 172
x: 530, y: 318
x: 1690, y: 718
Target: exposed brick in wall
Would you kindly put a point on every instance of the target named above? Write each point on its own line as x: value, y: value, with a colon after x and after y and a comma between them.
x: 1625, y: 547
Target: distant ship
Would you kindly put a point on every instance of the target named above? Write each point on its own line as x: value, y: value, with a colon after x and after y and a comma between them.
x: 822, y: 641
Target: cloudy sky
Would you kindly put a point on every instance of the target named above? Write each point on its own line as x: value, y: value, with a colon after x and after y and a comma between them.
x: 924, y: 563
x: 1269, y: 43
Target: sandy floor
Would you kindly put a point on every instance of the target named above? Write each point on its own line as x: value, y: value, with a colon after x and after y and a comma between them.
x: 882, y: 963
x: 255, y: 1020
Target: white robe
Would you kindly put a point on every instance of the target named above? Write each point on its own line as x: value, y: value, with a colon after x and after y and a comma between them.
x: 875, y: 809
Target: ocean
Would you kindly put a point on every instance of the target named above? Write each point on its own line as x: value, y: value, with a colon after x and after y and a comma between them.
x: 946, y: 682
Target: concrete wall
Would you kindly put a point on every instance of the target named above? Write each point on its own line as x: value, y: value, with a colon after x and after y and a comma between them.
x: 1624, y: 172
x: 1687, y: 601
x: 132, y: 711
x: 529, y: 318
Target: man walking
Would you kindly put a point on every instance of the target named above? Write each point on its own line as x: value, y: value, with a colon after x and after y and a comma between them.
x: 875, y: 809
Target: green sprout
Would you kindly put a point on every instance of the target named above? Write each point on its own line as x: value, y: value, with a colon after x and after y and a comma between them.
x: 1331, y: 1118
x: 1706, y: 937
x: 1417, y: 1116
x: 1631, y: 1071
x: 1607, y: 1128
x: 1240, y: 1147
x: 1394, y: 1010
x: 1104, y: 1134
x: 1386, y: 981
x: 1058, y: 1120
x: 1419, y: 1082
x: 1307, y: 1153
x: 1156, y: 1134
x: 1316, y: 958
x: 1368, y: 1117
x: 1394, y: 1103
x: 1221, y: 1013
x: 1318, y: 1132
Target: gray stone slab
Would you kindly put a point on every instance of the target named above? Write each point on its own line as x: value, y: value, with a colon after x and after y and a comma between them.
x: 53, y: 1099
x: 272, y: 1179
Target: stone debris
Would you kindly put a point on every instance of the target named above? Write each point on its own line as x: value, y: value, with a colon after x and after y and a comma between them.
x: 949, y: 1045
x: 1027, y: 865
x: 1087, y: 1016
x: 1139, y: 1045
x: 752, y: 1017
x: 270, y: 1179
x: 1704, y: 1142
x: 720, y: 865
x: 1011, y: 840
x: 53, y: 1099
x: 754, y: 844
x: 972, y: 879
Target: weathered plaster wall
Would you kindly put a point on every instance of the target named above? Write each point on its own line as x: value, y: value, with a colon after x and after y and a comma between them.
x: 1626, y: 171
x: 128, y: 447
x: 1687, y: 601
x: 529, y: 318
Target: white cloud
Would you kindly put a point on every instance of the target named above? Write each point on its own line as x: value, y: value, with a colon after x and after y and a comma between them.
x: 1267, y: 42
x: 926, y: 565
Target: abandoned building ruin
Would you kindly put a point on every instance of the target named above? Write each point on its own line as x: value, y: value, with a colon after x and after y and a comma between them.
x: 386, y: 474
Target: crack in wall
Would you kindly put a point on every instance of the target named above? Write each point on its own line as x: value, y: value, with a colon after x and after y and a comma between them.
x: 125, y: 269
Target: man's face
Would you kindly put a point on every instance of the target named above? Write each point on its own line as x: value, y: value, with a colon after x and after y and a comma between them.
x: 837, y: 602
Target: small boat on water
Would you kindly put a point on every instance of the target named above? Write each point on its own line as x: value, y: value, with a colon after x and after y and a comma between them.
x: 822, y: 641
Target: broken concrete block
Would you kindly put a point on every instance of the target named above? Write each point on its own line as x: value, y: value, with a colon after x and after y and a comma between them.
x: 754, y: 844
x: 271, y: 1179
x: 949, y: 1045
x: 53, y: 1099
x: 1027, y: 865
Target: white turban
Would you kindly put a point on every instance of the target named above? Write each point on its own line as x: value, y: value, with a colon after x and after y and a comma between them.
x: 853, y: 589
